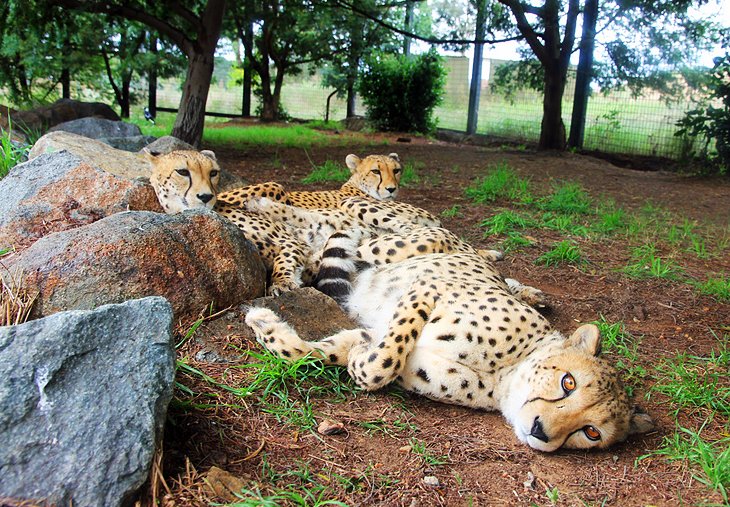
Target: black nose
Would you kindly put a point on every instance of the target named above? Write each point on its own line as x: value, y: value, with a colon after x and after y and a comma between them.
x: 205, y: 197
x: 537, y: 431
x: 391, y: 189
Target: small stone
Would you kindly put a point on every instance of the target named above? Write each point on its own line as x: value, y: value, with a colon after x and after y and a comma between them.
x: 330, y: 427
x: 431, y: 480
x: 530, y: 482
x: 405, y: 448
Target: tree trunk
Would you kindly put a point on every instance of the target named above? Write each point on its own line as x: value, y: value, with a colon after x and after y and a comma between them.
x: 584, y: 75
x: 351, y: 96
x: 552, y: 131
x: 190, y: 118
x: 124, y: 103
x: 152, y: 78
x: 65, y: 83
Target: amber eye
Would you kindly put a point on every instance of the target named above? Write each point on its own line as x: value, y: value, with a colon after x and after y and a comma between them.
x: 592, y: 433
x: 376, y: 171
x: 213, y: 173
x: 396, y: 171
x: 183, y: 172
x: 568, y: 383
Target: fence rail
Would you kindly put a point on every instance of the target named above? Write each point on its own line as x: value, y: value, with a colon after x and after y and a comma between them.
x: 615, y: 122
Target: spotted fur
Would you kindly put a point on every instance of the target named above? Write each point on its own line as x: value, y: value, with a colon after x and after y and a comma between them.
x: 375, y: 177
x: 448, y: 326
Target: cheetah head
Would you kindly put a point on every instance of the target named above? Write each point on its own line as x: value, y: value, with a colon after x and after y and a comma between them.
x: 568, y: 396
x: 376, y: 175
x: 184, y: 179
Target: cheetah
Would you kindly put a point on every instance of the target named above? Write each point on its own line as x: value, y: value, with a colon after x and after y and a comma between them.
x: 290, y: 240
x: 448, y: 327
x: 375, y: 177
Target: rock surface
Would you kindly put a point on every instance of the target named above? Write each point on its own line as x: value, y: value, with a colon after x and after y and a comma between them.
x: 60, y: 191
x: 83, y: 400
x: 193, y: 259
x: 166, y: 144
x: 96, y: 128
x: 42, y: 118
x: 131, y: 143
x: 95, y: 153
x: 313, y: 314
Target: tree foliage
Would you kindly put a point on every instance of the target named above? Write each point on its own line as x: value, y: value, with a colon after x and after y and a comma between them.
x: 711, y: 121
x: 401, y: 92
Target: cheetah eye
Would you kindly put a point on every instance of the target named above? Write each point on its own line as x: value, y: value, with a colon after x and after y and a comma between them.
x: 376, y: 172
x: 213, y: 173
x: 568, y: 383
x: 592, y: 433
x: 396, y: 171
x: 183, y: 172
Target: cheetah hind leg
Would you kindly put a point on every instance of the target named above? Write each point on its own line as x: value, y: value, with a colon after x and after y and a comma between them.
x: 527, y: 294
x: 280, y: 338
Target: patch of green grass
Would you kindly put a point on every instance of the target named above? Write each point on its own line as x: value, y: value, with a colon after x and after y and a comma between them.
x: 617, y: 340
x: 647, y: 264
x: 563, y: 252
x: 162, y: 126
x: 324, y: 125
x: 291, y: 136
x: 697, y: 383
x: 329, y: 171
x: 419, y: 448
x: 410, y: 173
x: 719, y: 287
x: 505, y: 222
x: 610, y: 220
x: 11, y: 154
x: 392, y: 429
x: 500, y: 182
x: 563, y: 223
x: 567, y: 198
x: 515, y: 241
x: 711, y: 460
x: 451, y: 212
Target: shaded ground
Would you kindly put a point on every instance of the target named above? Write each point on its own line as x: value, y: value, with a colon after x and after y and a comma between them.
x: 474, y: 455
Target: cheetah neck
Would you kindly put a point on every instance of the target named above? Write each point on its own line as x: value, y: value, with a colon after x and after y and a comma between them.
x: 513, y: 388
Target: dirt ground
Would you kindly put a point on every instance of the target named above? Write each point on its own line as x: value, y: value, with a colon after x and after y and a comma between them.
x: 484, y: 464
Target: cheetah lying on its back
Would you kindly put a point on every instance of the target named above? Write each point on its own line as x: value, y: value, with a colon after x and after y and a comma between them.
x: 375, y: 176
x: 289, y: 239
x: 448, y: 327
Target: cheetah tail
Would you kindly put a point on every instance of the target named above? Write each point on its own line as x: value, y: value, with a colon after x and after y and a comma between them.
x: 338, y: 264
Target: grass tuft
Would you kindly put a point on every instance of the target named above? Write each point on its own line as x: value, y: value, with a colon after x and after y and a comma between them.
x: 568, y: 198
x: 563, y: 252
x: 647, y: 264
x: 16, y: 301
x: 329, y: 171
x: 11, y: 154
x: 719, y: 287
x: 505, y: 222
x: 500, y: 182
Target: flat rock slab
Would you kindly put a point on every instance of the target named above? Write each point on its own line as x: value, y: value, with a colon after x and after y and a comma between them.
x: 83, y: 400
x: 192, y: 259
x: 96, y: 153
x: 97, y: 128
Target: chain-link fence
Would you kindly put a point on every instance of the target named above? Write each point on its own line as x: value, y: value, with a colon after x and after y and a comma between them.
x: 616, y: 122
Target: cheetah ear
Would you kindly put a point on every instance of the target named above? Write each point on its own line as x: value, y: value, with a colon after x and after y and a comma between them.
x: 352, y: 162
x: 588, y: 338
x: 209, y: 154
x: 640, y: 422
x: 394, y: 156
x: 149, y: 154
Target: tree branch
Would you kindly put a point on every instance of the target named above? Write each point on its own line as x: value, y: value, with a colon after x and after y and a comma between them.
x: 352, y: 6
x: 526, y: 29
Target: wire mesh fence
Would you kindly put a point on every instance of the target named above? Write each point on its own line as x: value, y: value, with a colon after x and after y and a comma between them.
x: 616, y: 123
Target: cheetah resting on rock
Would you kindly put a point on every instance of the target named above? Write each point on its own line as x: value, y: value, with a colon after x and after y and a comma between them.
x: 447, y: 326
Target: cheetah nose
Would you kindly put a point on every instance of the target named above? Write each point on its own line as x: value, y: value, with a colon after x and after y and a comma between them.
x: 537, y: 430
x: 205, y: 197
x: 391, y: 189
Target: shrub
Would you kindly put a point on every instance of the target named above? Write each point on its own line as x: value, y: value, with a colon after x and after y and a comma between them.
x: 400, y: 92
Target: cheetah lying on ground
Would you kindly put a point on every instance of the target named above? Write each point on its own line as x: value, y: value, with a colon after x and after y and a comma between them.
x: 448, y: 327
x: 289, y: 239
x: 375, y: 176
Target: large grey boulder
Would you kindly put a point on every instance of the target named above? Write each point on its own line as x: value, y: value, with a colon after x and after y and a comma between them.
x: 192, y: 259
x: 95, y: 153
x: 83, y: 401
x: 130, y: 143
x: 166, y: 144
x: 59, y: 191
x: 97, y: 128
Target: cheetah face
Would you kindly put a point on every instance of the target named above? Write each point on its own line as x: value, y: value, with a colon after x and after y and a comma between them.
x: 376, y: 175
x: 185, y: 179
x: 572, y: 398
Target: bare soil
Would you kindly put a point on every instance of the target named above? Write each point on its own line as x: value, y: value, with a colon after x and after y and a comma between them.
x: 484, y: 462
